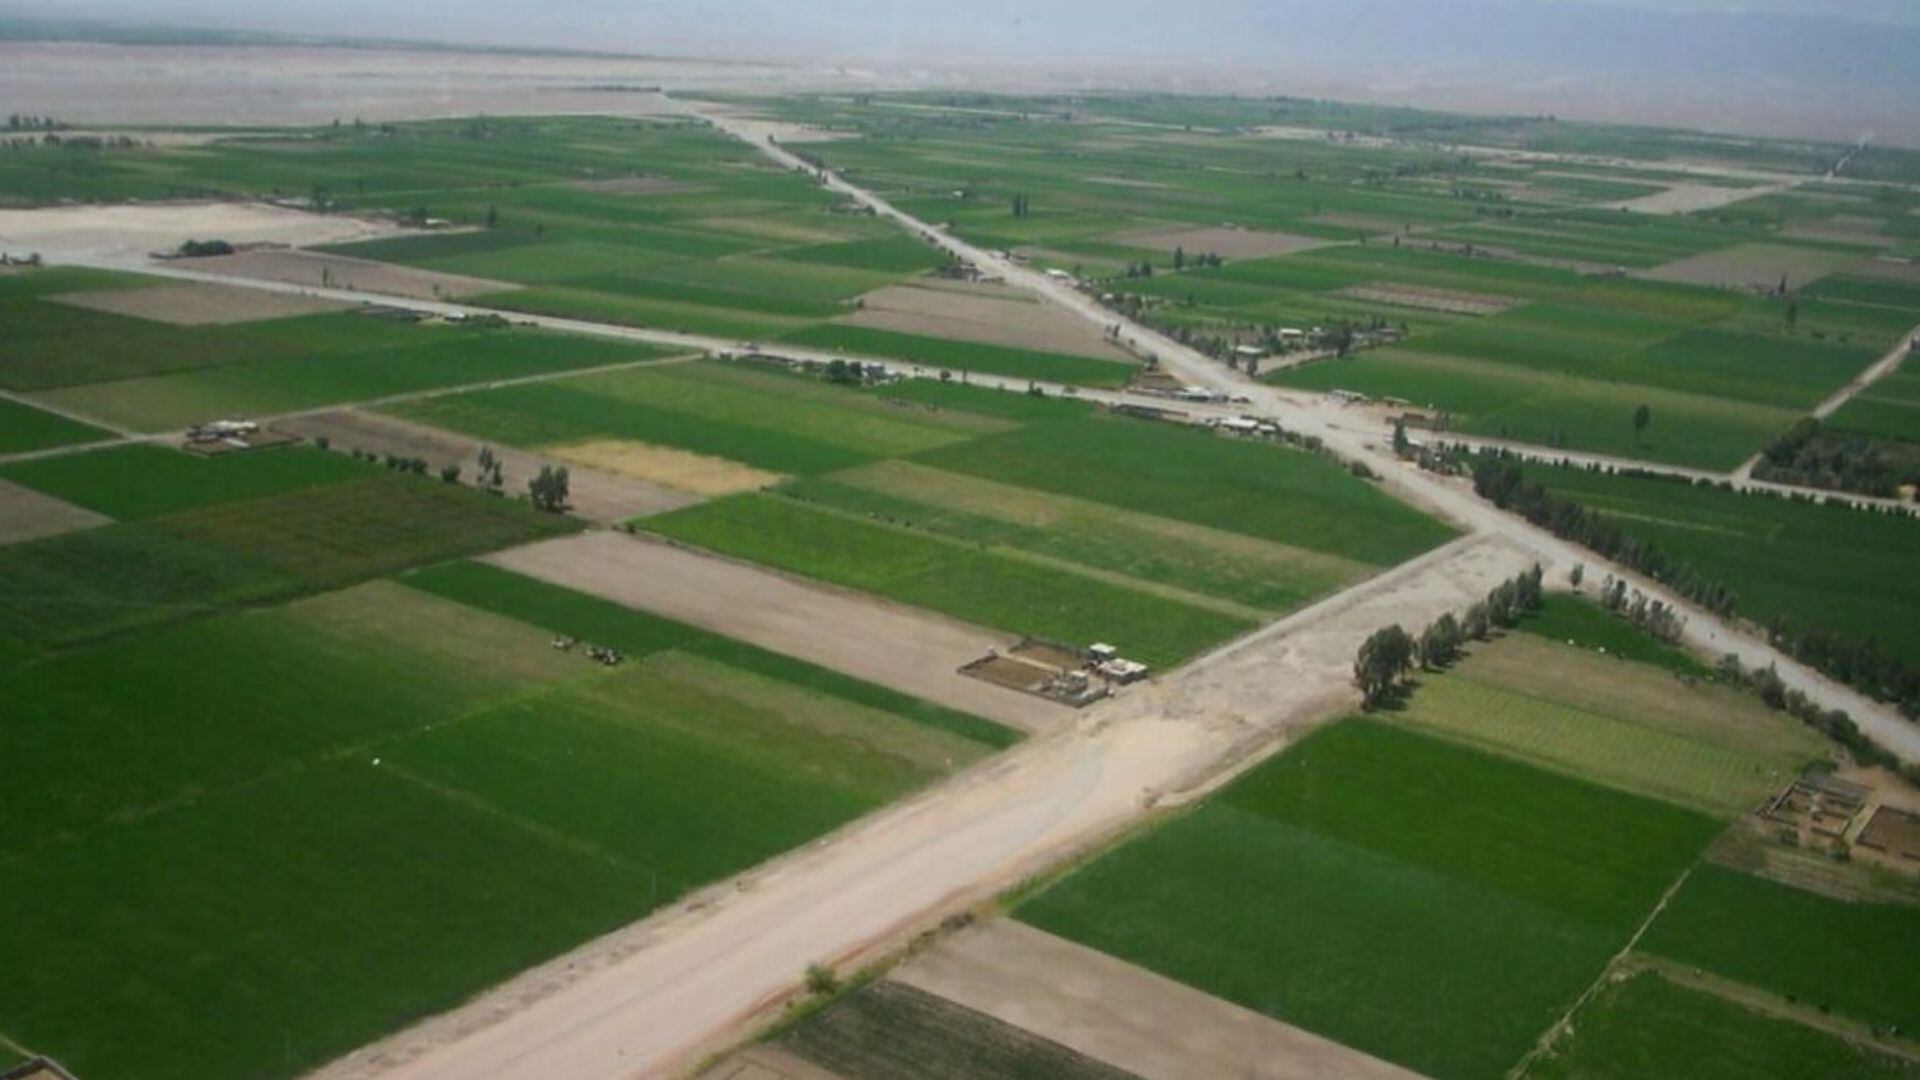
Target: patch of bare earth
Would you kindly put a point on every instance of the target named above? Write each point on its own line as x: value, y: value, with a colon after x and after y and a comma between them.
x: 1229, y: 242
x: 1752, y: 266
x: 343, y: 272
x: 126, y: 234
x: 904, y: 648
x: 594, y: 494
x: 1841, y: 229
x: 1123, y: 1015
x: 196, y: 304
x: 664, y: 466
x: 982, y: 313
x: 1371, y: 224
x: 25, y: 514
x: 1450, y: 301
x: 768, y: 1063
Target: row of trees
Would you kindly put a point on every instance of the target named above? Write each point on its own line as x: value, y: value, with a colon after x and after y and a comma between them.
x: 1655, y: 617
x: 1390, y: 654
x: 1811, y: 455
x: 1859, y: 662
x: 1835, y: 724
x: 24, y: 122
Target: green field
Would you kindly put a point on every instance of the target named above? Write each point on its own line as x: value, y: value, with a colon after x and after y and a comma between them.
x: 1645, y: 1026
x: 1853, y: 958
x: 23, y: 428
x: 970, y: 356
x: 147, y: 480
x: 186, y: 835
x: 261, y: 532
x: 1580, y: 622
x: 888, y: 1030
x: 1818, y: 566
x: 1423, y: 902
x: 1889, y: 409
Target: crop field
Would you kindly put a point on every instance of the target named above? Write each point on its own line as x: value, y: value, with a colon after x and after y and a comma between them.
x: 143, y: 480
x: 1644, y: 1025
x: 1627, y: 725
x: 1854, y: 958
x: 946, y: 355
x: 23, y: 428
x: 434, y: 766
x: 245, y: 535
x: 1819, y: 566
x: 889, y: 1029
x: 1889, y: 409
x: 1426, y: 903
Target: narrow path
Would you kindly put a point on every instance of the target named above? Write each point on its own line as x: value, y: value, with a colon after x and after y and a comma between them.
x: 1878, y: 370
x: 64, y: 413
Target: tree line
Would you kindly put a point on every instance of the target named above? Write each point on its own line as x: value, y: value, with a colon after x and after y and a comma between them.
x: 1390, y: 654
x: 1860, y: 662
x: 1812, y: 455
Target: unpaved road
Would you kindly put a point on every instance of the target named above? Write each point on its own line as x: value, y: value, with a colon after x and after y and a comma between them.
x: 907, y: 649
x: 650, y: 999
x: 1124, y: 1015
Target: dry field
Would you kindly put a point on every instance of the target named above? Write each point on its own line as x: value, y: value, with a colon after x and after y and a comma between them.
x: 905, y: 649
x: 127, y: 234
x: 1232, y: 243
x: 26, y: 514
x: 664, y: 466
x: 195, y: 304
x: 768, y: 1063
x: 595, y: 494
x: 1124, y: 1015
x: 1745, y: 266
x: 1450, y: 301
x: 1841, y: 228
x: 987, y: 314
x: 1371, y: 224
x: 341, y: 272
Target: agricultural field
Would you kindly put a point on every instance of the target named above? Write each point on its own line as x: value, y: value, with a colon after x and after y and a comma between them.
x: 196, y: 535
x: 1593, y: 715
x: 24, y: 428
x: 151, y: 860
x: 1888, y: 410
x: 1854, y: 958
x: 1429, y: 904
x: 1643, y: 1025
x: 156, y: 374
x: 1826, y: 567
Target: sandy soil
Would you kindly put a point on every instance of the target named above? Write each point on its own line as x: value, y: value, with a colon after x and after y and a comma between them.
x: 1232, y: 243
x: 1752, y: 266
x: 1366, y: 223
x: 1688, y: 198
x: 341, y: 272
x: 127, y: 234
x: 912, y: 651
x: 596, y: 495
x: 983, y: 313
x: 26, y: 514
x: 768, y: 1063
x: 1843, y: 229
x: 1124, y: 1015
x: 195, y: 304
x: 1452, y: 301
x: 1888, y: 269
x: 680, y: 470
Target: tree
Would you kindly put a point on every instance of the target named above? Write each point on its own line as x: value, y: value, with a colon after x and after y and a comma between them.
x: 493, y: 216
x: 1401, y: 446
x: 1179, y: 258
x: 548, y: 490
x: 1642, y: 416
x: 1476, y: 624
x: 1440, y: 642
x: 1576, y: 575
x: 451, y: 473
x: 1793, y: 314
x: 1384, y: 658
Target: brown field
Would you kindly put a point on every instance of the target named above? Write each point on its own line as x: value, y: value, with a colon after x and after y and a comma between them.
x: 595, y: 494
x: 988, y: 314
x: 1450, y: 301
x: 198, y: 304
x: 26, y: 514
x: 906, y: 649
x: 768, y: 1063
x: 680, y: 470
x: 1232, y: 243
x: 1370, y: 224
x: 1008, y: 672
x: 340, y: 272
x: 1125, y: 1016
x: 1887, y: 269
x: 1752, y: 266
x: 1841, y: 228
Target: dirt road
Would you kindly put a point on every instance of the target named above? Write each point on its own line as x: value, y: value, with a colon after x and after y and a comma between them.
x: 907, y: 649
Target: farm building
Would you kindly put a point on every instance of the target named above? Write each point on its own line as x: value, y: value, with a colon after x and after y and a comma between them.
x: 1890, y: 839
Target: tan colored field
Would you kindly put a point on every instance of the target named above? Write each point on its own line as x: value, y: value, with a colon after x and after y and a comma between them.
x: 1750, y: 266
x: 1843, y: 229
x: 196, y: 304
x: 1232, y: 243
x: 1123, y: 1015
x: 681, y: 470
x: 594, y: 494
x: 341, y: 272
x: 991, y: 315
x: 904, y: 648
x: 768, y: 1063
x: 26, y: 514
x: 1888, y: 269
x: 1451, y: 301
x: 126, y: 234
x: 1371, y: 224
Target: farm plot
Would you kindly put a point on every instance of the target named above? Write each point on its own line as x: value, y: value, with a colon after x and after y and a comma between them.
x: 323, y: 270
x: 1756, y: 266
x: 1889, y: 409
x: 195, y: 304
x: 24, y: 428
x: 962, y: 312
x: 1855, y: 958
x: 1644, y: 1025
x: 1425, y: 903
x: 472, y: 794
x: 1629, y: 726
x: 1818, y: 567
x: 890, y: 1029
x: 972, y: 356
x: 26, y: 514
x: 142, y: 480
